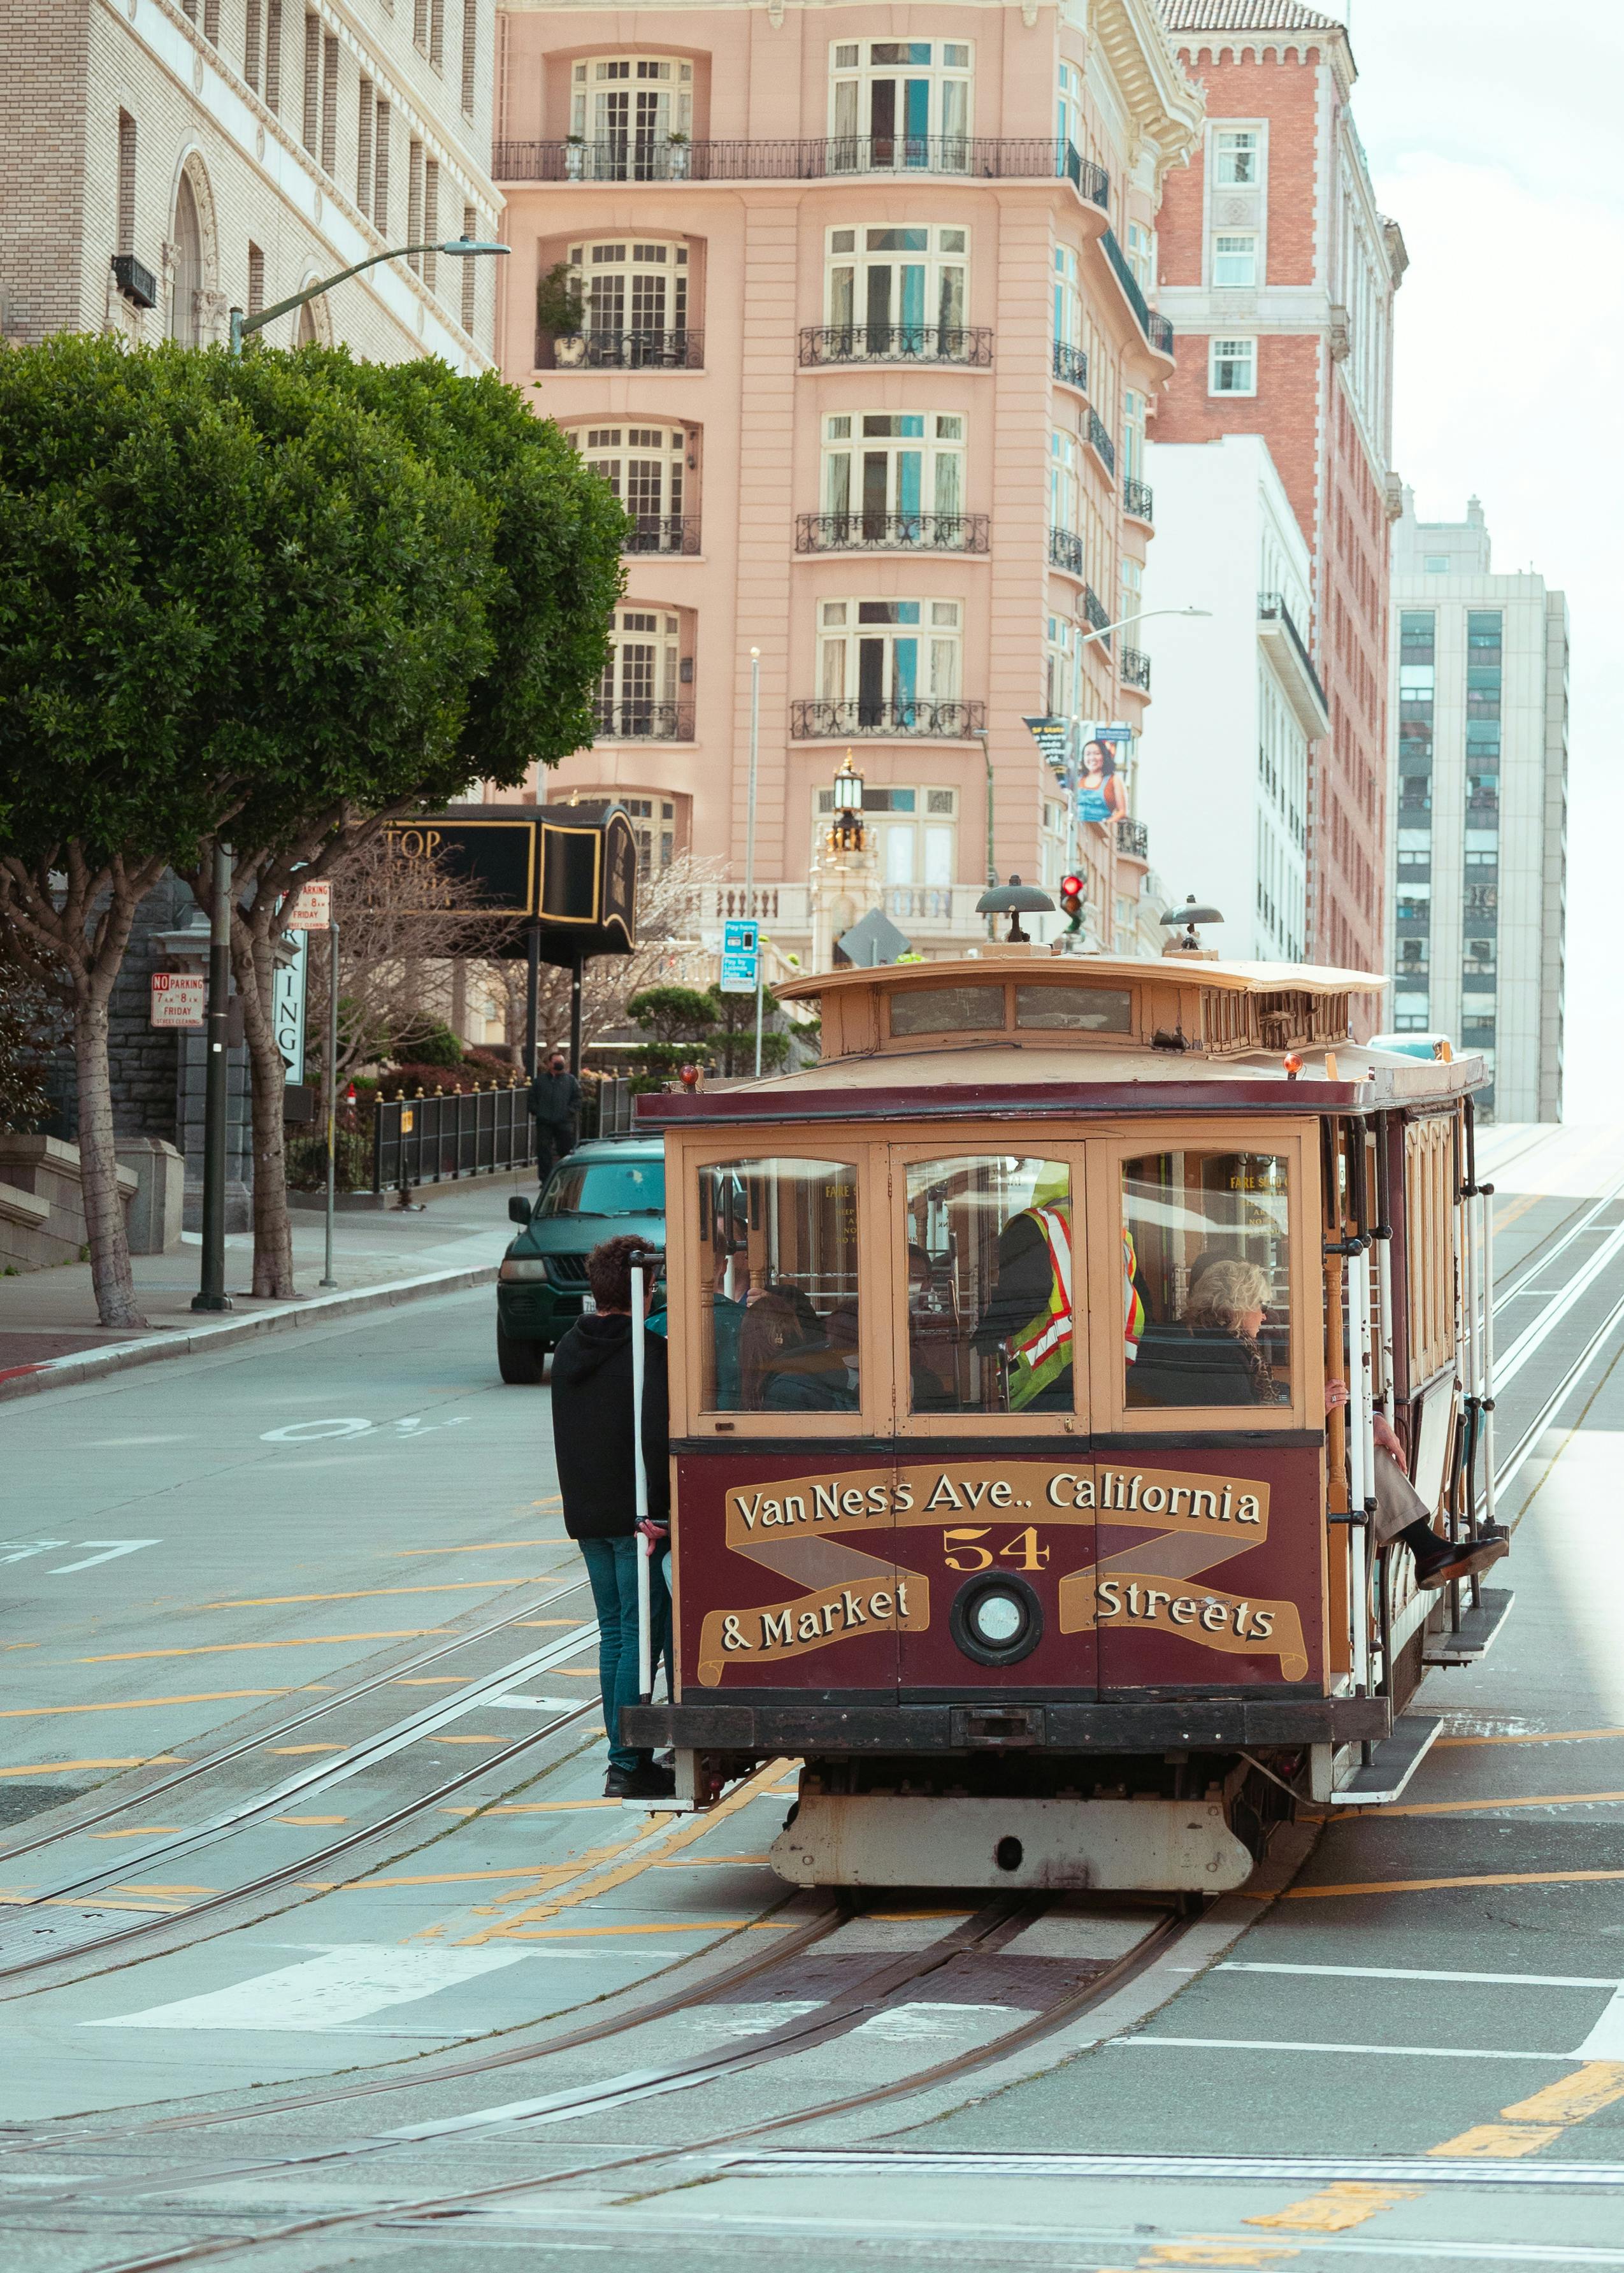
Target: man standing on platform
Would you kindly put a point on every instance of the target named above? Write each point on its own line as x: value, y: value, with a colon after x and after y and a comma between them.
x: 554, y: 1102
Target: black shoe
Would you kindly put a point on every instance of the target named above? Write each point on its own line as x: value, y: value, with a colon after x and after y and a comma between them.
x: 1441, y: 1561
x: 648, y: 1783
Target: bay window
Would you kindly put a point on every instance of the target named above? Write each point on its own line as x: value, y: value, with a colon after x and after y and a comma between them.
x: 900, y: 287
x: 886, y: 468
x: 888, y: 657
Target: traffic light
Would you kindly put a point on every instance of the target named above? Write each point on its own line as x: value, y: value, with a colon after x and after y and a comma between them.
x: 1071, y: 900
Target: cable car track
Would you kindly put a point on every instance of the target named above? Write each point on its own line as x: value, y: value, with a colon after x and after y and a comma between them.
x: 998, y: 1922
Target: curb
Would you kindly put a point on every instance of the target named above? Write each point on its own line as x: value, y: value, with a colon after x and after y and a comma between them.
x: 90, y: 1365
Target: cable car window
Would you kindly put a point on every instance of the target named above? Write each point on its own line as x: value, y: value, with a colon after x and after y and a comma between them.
x: 947, y: 1011
x: 990, y: 1285
x: 1076, y: 1010
x: 1206, y: 1260
x: 778, y: 1286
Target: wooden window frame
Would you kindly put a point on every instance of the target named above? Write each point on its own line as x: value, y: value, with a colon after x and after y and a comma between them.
x: 1297, y: 1143
x: 684, y: 1279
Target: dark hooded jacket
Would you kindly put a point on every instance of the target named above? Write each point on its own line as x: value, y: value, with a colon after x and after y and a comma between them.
x: 554, y: 1097
x: 592, y: 1427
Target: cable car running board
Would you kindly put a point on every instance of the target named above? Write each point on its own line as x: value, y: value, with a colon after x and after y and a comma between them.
x: 1392, y: 1762
x: 1476, y: 1635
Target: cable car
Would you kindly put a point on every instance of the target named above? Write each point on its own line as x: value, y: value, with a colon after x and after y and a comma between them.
x: 1013, y: 1491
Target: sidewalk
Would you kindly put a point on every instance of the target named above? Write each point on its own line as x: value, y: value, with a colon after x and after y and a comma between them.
x: 49, y: 1331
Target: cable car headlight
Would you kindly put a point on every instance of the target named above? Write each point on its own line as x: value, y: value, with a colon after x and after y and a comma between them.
x: 997, y: 1618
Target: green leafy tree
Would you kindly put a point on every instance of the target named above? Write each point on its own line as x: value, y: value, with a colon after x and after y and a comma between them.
x: 525, y: 582
x: 673, y: 1013
x: 732, y: 1035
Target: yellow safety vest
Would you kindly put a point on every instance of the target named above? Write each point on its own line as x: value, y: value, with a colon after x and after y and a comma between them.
x: 1042, y: 1352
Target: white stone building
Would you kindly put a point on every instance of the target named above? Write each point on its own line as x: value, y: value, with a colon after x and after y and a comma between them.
x: 1223, y: 761
x: 1478, y: 808
x: 165, y: 160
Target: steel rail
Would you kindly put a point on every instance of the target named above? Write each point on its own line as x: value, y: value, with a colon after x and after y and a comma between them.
x: 622, y: 2091
x: 193, y: 1769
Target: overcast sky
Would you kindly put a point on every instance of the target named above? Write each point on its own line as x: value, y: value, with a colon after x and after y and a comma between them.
x: 1493, y: 135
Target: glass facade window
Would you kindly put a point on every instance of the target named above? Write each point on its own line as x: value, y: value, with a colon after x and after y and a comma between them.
x: 1237, y: 156
x: 991, y: 1324
x: 1207, y: 1284
x: 891, y: 100
x: 627, y: 287
x: 1232, y: 367
x: 633, y: 103
x: 778, y: 1286
x: 889, y: 652
x: 881, y: 464
x: 643, y: 465
x: 1418, y: 632
x: 1235, y: 258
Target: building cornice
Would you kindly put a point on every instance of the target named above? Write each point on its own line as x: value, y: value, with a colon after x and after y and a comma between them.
x: 1166, y: 105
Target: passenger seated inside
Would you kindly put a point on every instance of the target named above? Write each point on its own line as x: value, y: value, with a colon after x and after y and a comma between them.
x: 785, y: 1368
x: 1210, y: 1355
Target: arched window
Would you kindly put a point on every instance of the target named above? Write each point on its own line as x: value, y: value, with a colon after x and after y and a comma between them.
x: 186, y: 283
x: 644, y: 466
x: 635, y: 297
x: 307, y: 335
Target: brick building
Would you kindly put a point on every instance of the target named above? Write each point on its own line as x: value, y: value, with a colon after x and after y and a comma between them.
x: 166, y: 160
x: 1279, y: 273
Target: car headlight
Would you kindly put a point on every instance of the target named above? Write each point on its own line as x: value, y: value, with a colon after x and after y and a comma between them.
x: 522, y: 1266
x: 997, y: 1618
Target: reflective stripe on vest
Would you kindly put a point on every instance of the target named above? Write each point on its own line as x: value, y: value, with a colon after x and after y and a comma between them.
x: 1044, y: 1348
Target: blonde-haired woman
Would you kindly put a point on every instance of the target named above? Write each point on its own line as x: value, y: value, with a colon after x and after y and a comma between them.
x: 1211, y: 1355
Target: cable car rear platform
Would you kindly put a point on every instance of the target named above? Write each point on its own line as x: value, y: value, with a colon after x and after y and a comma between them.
x: 799, y: 1725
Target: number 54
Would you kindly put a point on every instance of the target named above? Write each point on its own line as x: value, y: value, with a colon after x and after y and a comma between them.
x: 962, y: 1551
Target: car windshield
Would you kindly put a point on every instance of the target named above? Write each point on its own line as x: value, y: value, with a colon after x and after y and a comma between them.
x: 605, y: 1188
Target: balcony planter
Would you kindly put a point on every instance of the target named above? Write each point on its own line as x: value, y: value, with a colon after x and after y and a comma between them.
x: 677, y: 157
x: 560, y: 310
x: 569, y: 350
x: 575, y: 158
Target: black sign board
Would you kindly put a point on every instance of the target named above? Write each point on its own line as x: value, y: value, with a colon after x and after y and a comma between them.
x: 570, y: 871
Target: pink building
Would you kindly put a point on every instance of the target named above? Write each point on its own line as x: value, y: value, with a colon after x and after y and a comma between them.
x: 867, y: 353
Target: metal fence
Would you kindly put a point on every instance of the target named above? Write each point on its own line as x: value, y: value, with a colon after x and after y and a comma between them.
x: 434, y: 1140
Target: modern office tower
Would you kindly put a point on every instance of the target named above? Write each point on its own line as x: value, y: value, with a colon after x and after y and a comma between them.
x: 1279, y: 273
x: 1478, y: 794
x: 854, y: 316
x: 166, y: 160
x: 1225, y: 759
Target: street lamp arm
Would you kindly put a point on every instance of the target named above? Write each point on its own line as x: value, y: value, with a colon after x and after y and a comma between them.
x: 1103, y: 631
x: 241, y: 325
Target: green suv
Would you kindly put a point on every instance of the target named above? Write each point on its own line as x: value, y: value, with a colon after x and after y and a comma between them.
x: 611, y: 1185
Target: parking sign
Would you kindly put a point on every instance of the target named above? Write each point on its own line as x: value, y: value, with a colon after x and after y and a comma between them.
x: 741, y: 958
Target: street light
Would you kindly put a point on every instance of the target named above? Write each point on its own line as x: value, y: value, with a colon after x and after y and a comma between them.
x: 846, y: 833
x: 460, y: 248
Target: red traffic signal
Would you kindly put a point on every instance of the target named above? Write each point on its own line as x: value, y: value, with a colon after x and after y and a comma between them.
x: 1071, y: 900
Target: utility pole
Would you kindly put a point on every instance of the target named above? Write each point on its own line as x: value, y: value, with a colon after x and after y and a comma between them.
x: 211, y: 1294
x: 749, y: 841
x: 327, y: 1280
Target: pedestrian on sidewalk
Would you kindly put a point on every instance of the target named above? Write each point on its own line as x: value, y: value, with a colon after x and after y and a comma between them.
x: 594, y: 1449
x: 554, y: 1103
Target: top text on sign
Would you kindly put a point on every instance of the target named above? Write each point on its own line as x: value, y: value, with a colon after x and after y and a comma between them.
x: 311, y: 909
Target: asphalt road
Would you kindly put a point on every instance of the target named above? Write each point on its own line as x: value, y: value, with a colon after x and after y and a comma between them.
x: 233, y: 1539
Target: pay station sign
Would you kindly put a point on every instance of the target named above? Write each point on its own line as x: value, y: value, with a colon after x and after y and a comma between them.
x: 178, y: 998
x: 741, y: 958
x: 311, y: 909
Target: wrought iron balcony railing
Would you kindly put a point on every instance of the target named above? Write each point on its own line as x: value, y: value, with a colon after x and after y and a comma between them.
x: 895, y: 343
x: 638, y: 721
x: 1065, y: 552
x: 639, y: 350
x: 651, y: 532
x: 885, y: 715
x: 1138, y: 499
x: 1070, y: 365
x: 890, y: 532
x: 1095, y: 615
x: 1100, y: 435
x: 1134, y: 838
x: 1156, y: 329
x: 1272, y: 608
x: 658, y: 158
x: 1134, y: 666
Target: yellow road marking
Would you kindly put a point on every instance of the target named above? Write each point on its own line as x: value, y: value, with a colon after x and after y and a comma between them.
x: 538, y: 1876
x: 131, y: 1760
x: 548, y: 1622
x: 134, y: 1889
x: 1209, y: 2249
x: 135, y: 1704
x: 531, y: 1807
x: 574, y: 1672
x: 297, y: 1751
x: 604, y: 1882
x: 484, y: 1547
x: 1543, y: 1737
x: 707, y: 1862
x: 512, y: 1737
x: 1427, y: 1886
x: 1470, y: 1806
x: 427, y: 1681
x: 293, y: 1641
x: 100, y: 1902
x: 313, y: 1818
x: 1347, y: 2203
x: 1529, y: 2124
x: 147, y: 1831
x: 369, y: 1594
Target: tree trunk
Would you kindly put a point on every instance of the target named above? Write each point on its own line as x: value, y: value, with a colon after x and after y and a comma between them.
x: 104, y: 1216
x: 254, y: 963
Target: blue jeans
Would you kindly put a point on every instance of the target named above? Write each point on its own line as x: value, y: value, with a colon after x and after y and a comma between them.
x: 612, y: 1570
